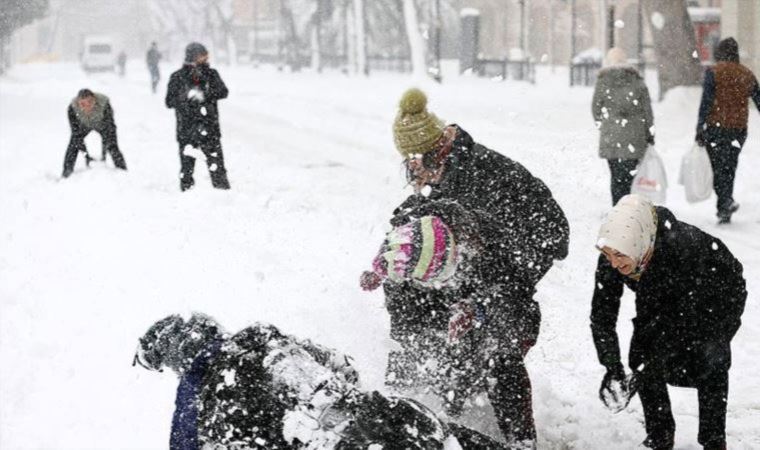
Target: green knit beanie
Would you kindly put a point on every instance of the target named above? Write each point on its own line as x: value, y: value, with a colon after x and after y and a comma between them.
x: 415, y: 130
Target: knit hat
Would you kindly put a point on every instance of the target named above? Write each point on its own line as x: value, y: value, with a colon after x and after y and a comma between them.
x: 423, y: 250
x: 415, y: 130
x: 727, y: 50
x: 194, y: 50
x: 615, y: 57
x: 630, y: 227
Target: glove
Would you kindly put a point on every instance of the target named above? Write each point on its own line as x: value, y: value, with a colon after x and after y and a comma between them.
x: 463, y: 319
x: 369, y: 281
x: 700, y: 139
x: 617, y: 390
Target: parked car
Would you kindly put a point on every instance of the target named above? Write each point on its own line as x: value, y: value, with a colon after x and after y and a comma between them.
x: 98, y: 54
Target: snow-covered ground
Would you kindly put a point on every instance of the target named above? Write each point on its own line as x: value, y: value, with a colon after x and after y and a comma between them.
x: 88, y: 263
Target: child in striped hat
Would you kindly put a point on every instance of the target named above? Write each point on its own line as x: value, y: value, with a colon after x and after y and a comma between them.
x: 423, y: 251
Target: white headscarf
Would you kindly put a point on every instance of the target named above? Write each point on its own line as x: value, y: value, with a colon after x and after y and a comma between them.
x: 629, y: 228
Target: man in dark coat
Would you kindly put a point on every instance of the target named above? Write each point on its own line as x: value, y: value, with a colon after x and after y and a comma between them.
x: 152, y: 58
x: 521, y: 230
x: 90, y: 111
x: 690, y: 295
x: 263, y: 389
x: 193, y: 92
x: 722, y: 123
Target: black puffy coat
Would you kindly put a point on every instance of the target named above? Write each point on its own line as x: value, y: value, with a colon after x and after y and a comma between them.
x: 196, y: 121
x: 689, y: 303
x: 520, y: 227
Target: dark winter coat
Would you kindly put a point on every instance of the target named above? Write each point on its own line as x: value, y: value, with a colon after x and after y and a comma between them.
x: 689, y: 302
x: 521, y: 226
x: 622, y: 108
x: 726, y: 91
x: 99, y: 119
x: 197, y: 121
x: 152, y: 58
x: 263, y: 389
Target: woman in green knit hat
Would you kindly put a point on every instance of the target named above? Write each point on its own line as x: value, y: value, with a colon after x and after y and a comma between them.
x: 522, y: 231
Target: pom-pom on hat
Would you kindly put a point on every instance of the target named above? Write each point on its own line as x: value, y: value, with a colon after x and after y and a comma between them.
x: 423, y: 250
x: 415, y: 130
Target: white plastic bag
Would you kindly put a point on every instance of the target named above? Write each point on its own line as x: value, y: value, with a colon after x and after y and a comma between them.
x: 651, y: 180
x: 696, y: 174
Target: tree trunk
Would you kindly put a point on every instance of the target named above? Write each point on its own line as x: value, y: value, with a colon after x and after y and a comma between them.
x: 361, y: 37
x: 674, y: 44
x: 416, y: 42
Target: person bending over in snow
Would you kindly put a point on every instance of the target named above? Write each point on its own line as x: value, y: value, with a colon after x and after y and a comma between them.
x: 522, y: 230
x: 690, y: 296
x: 263, y: 389
x: 90, y: 111
x: 193, y: 92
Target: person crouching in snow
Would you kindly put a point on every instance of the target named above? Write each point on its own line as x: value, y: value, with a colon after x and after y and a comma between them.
x: 90, y: 111
x: 263, y: 389
x: 690, y: 296
x: 193, y: 93
x: 521, y: 231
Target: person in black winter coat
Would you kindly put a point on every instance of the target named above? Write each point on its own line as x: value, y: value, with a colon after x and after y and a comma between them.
x: 193, y: 93
x: 521, y: 230
x: 263, y: 389
x: 690, y: 295
x: 90, y: 111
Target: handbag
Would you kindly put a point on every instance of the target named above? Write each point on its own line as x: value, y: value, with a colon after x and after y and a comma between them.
x: 696, y: 174
x: 650, y: 180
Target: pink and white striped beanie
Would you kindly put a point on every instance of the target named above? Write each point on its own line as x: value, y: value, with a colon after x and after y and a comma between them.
x: 423, y: 250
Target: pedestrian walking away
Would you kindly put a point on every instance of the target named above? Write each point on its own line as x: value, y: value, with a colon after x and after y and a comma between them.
x: 722, y: 122
x: 193, y: 93
x: 90, y: 111
x: 690, y: 295
x: 622, y: 110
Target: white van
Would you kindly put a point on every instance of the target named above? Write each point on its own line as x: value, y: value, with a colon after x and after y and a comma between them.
x: 99, y: 54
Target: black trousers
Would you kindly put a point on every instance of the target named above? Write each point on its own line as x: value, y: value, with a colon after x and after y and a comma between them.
x: 622, y: 172
x: 212, y: 150
x: 495, y: 351
x: 723, y: 146
x: 712, y: 391
x: 110, y: 146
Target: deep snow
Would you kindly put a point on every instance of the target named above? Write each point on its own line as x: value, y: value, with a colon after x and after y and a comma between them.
x: 88, y: 263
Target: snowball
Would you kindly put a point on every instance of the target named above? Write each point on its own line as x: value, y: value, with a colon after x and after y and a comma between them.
x: 203, y: 110
x: 213, y: 167
x: 714, y: 245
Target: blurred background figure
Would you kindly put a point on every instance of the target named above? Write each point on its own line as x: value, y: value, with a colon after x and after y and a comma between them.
x: 90, y: 111
x: 121, y: 62
x: 622, y: 111
x: 152, y: 58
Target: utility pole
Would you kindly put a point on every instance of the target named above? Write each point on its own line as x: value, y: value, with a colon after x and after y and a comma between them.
x: 438, y: 25
x: 523, y: 45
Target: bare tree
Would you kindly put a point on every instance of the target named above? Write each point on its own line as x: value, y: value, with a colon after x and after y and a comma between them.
x: 674, y: 44
x: 416, y: 41
x: 15, y: 14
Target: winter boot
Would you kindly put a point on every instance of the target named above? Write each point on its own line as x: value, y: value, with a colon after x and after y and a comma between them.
x: 724, y: 217
x: 658, y: 443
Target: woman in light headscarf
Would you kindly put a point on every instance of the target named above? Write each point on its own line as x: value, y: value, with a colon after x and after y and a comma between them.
x: 690, y: 295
